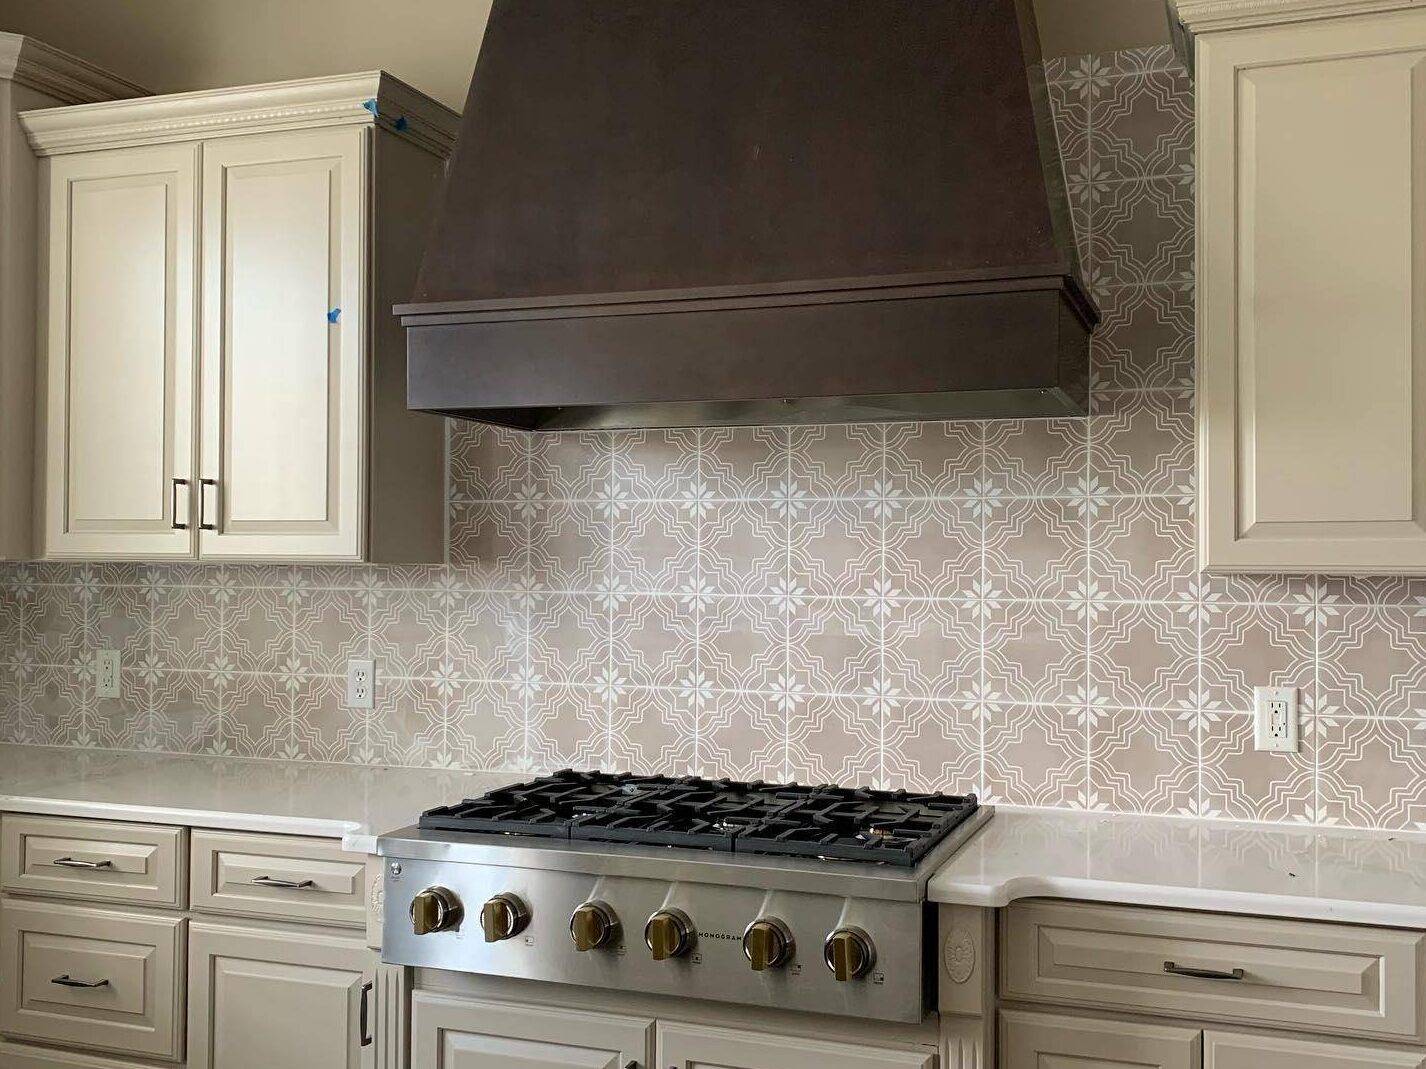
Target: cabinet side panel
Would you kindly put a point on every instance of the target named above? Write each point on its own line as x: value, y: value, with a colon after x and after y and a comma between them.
x: 408, y: 461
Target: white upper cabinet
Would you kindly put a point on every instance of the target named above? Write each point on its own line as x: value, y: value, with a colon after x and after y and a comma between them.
x: 224, y: 377
x: 32, y: 75
x: 118, y: 331
x: 282, y: 355
x: 1311, y: 284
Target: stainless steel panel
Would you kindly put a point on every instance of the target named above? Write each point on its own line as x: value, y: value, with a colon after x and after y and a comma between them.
x: 715, y: 969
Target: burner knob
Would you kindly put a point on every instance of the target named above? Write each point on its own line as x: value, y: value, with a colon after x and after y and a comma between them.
x: 669, y: 934
x: 434, y: 910
x: 849, y: 953
x: 767, y: 944
x: 592, y: 925
x: 503, y: 917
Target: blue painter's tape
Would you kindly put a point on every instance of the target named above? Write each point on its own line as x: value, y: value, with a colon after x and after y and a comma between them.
x: 370, y: 105
x: 334, y: 315
x: 401, y: 123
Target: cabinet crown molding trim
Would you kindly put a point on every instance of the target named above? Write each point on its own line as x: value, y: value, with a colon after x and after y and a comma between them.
x: 1204, y: 16
x: 68, y: 79
x: 367, y: 98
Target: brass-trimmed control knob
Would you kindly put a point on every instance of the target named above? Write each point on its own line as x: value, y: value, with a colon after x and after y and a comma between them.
x: 849, y: 953
x: 436, y: 909
x: 767, y: 944
x: 669, y: 934
x: 503, y: 917
x: 593, y: 925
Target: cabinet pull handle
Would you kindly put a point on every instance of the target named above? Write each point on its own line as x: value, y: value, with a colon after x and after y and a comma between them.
x: 366, y: 1036
x: 1203, y: 974
x: 177, y: 526
x: 68, y: 981
x: 290, y: 885
x: 203, y: 484
x: 76, y: 863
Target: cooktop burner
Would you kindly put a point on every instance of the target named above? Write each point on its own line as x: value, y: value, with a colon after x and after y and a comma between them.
x: 839, y: 823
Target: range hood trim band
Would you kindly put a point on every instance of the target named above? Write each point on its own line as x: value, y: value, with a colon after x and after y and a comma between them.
x: 714, y: 299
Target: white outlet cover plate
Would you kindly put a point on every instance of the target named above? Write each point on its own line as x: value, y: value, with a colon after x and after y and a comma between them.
x: 361, y: 684
x: 106, y: 674
x: 1265, y: 701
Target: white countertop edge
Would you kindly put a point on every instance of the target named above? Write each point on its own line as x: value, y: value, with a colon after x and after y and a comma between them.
x: 1210, y: 900
x: 317, y: 827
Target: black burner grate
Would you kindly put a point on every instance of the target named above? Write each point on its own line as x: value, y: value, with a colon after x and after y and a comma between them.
x: 848, y: 824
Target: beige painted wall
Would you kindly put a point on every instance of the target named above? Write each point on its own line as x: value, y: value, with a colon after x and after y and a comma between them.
x: 173, y: 45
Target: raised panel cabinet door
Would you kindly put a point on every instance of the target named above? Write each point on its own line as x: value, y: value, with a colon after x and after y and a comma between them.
x: 686, y: 1046
x: 280, y: 999
x: 1224, y: 1050
x: 460, y: 1033
x: 118, y: 252
x: 283, y: 349
x: 1312, y: 295
x: 1050, y: 1041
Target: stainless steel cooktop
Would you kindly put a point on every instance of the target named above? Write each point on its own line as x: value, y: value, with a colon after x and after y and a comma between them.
x: 781, y: 895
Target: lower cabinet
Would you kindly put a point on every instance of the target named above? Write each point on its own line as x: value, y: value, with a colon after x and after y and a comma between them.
x: 684, y: 1046
x: 1040, y: 1040
x: 1224, y: 1051
x: 449, y: 1032
x: 278, y: 998
x: 106, y: 979
x: 461, y: 1033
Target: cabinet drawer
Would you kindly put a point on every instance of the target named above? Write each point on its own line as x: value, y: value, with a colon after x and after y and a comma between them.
x: 1039, y: 1040
x: 129, y: 962
x: 15, y: 1056
x: 98, y: 859
x: 1290, y: 974
x: 1224, y: 1051
x: 310, y: 880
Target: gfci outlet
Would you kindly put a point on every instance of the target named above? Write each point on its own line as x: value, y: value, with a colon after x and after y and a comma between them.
x: 361, y: 684
x: 1275, y: 719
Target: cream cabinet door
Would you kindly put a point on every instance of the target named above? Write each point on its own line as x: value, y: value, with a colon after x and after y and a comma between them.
x: 1050, y: 1041
x: 686, y: 1046
x: 283, y: 368
x: 460, y: 1033
x: 1223, y: 1050
x: 118, y: 342
x: 280, y: 999
x: 1312, y: 295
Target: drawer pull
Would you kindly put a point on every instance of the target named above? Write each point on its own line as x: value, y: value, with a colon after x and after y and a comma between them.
x: 1203, y: 974
x: 76, y: 863
x: 288, y: 885
x: 68, y: 981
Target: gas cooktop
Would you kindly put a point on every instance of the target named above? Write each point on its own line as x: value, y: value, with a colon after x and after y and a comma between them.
x: 834, y: 823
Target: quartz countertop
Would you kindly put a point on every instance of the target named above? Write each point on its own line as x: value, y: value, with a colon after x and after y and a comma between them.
x: 1331, y: 874
x: 353, y: 803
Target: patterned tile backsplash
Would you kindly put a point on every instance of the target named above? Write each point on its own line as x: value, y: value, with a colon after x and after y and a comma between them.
x: 1009, y: 607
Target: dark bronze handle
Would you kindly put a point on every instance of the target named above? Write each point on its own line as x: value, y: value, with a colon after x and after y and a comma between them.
x: 290, y: 885
x: 176, y: 525
x: 68, y: 981
x: 203, y: 484
x: 366, y: 1036
x: 75, y: 863
x: 1203, y: 974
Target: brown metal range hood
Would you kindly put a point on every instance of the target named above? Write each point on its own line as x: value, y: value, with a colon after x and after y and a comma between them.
x: 687, y: 212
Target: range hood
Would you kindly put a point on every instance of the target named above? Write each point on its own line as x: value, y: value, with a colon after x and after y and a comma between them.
x: 691, y: 212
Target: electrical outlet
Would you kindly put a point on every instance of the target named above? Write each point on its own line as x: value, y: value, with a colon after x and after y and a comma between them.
x: 106, y: 674
x: 361, y: 684
x: 1275, y: 719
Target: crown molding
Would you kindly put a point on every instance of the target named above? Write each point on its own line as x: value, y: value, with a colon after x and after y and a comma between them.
x: 370, y: 98
x: 68, y: 79
x: 1206, y: 16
